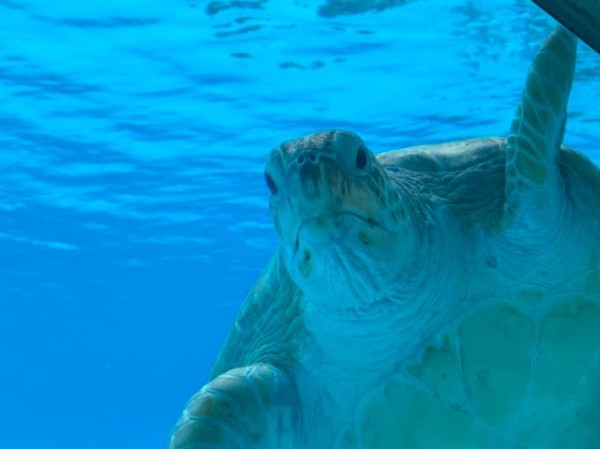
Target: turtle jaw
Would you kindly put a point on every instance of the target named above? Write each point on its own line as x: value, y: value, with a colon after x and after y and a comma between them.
x: 331, y: 226
x: 344, y: 261
x: 345, y: 252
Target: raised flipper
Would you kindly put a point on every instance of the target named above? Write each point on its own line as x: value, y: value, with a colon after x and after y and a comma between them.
x: 534, y: 186
x: 245, y: 408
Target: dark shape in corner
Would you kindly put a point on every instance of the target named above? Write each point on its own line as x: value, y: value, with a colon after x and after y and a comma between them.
x: 582, y: 17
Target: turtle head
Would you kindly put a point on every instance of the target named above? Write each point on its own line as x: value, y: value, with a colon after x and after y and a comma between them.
x: 341, y: 222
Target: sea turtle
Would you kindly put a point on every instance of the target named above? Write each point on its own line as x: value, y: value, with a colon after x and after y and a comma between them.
x: 440, y: 297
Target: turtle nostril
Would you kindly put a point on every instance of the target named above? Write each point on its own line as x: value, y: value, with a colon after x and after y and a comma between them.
x: 361, y: 158
x: 271, y: 184
x: 301, y: 159
x: 312, y: 156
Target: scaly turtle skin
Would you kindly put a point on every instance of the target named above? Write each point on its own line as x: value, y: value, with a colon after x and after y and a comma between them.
x: 445, y: 296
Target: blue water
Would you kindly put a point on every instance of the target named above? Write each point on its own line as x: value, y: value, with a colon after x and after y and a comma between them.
x: 133, y: 216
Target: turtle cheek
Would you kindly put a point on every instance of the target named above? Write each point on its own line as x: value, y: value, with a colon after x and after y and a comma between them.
x: 377, y: 242
x: 305, y: 263
x: 360, y: 202
x: 284, y: 217
x: 301, y: 261
x: 275, y: 213
x: 277, y: 226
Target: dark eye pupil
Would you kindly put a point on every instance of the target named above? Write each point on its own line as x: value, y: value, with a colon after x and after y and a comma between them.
x: 270, y: 183
x: 361, y: 158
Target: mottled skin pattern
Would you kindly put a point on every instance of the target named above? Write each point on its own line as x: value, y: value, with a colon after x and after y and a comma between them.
x: 444, y: 296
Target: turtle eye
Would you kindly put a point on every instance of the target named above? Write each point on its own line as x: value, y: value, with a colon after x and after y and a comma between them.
x: 271, y: 184
x: 361, y: 158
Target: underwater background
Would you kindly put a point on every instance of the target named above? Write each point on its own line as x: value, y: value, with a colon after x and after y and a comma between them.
x: 133, y: 136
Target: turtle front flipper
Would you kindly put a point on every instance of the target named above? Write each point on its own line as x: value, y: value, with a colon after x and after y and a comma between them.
x: 245, y: 408
x: 534, y: 187
x: 251, y: 400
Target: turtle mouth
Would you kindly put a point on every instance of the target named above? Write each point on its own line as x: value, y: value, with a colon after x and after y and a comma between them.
x: 330, y: 227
